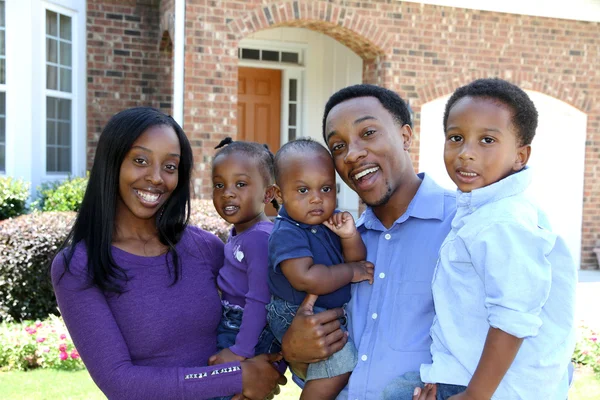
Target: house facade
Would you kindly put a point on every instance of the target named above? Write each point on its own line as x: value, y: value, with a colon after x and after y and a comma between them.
x: 263, y: 69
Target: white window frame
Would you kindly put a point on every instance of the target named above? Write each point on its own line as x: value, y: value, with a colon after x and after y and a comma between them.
x: 288, y: 71
x: 73, y: 95
x: 3, y: 89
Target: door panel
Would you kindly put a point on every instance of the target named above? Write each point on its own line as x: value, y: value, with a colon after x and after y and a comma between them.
x: 259, y: 109
x: 259, y: 90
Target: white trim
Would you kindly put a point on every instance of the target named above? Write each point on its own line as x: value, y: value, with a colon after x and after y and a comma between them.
x: 179, y: 61
x: 270, y: 65
x: 583, y: 10
x: 78, y: 92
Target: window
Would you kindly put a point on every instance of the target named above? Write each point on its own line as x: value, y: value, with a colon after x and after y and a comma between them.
x: 2, y: 88
x: 59, y: 93
x: 289, y: 57
x: 293, y: 109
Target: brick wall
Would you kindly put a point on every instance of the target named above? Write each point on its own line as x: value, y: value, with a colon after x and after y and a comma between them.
x: 129, y: 61
x: 421, y: 51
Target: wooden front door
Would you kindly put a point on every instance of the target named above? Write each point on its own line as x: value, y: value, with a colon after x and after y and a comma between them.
x: 259, y: 109
x: 259, y: 106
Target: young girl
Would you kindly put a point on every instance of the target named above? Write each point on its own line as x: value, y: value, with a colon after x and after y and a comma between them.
x: 243, y: 179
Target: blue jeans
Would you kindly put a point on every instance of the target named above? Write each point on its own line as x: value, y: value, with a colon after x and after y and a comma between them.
x: 229, y: 327
x: 280, y: 314
x: 402, y: 388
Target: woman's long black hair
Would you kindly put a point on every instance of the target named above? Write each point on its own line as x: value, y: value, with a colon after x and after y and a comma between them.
x: 95, y: 221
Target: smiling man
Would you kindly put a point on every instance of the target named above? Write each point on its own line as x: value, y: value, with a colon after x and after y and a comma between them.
x: 369, y: 132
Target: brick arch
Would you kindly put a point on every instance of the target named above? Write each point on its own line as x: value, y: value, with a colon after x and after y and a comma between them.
x: 525, y: 80
x: 348, y: 27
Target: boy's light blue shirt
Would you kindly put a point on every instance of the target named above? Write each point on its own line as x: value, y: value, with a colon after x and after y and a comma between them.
x: 501, y: 266
x: 390, y: 320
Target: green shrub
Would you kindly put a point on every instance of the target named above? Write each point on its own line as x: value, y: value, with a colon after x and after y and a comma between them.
x: 27, y: 245
x: 587, y: 349
x: 64, y: 195
x: 13, y: 197
x: 41, y: 344
x: 205, y: 216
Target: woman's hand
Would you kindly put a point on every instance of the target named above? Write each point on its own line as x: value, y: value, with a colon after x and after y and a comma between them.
x: 311, y: 338
x: 260, y: 378
x: 427, y: 393
x: 224, y: 356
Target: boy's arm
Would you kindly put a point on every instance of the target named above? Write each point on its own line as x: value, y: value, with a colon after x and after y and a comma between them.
x: 353, y: 248
x: 342, y: 224
x: 499, y: 351
x: 320, y: 279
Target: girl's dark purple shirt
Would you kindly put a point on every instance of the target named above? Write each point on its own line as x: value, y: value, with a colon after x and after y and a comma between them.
x: 153, y: 341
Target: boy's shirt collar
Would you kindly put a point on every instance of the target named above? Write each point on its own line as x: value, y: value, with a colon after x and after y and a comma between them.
x: 428, y: 203
x: 511, y: 185
x: 285, y: 216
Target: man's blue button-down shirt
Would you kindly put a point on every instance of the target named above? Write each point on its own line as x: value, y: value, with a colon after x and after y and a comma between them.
x: 390, y: 320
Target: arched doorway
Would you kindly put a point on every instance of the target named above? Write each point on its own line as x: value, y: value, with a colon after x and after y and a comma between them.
x: 285, y: 77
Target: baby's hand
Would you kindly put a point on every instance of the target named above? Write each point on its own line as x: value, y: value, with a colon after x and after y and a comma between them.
x: 363, y: 271
x: 342, y: 224
x: 224, y: 356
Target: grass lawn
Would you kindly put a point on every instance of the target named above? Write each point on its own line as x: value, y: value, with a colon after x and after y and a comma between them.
x: 50, y: 385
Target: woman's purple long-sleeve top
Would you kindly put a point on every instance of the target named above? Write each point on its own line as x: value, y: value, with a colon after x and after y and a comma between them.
x: 153, y: 341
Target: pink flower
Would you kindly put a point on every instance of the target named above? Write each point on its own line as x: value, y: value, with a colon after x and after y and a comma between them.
x: 63, y: 356
x: 38, y: 324
x: 593, y: 339
x: 32, y: 331
x: 46, y: 349
x: 40, y: 339
x: 585, y: 352
x: 63, y: 336
x: 74, y: 354
x: 62, y: 347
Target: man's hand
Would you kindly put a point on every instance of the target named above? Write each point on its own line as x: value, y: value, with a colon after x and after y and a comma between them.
x: 224, y: 356
x: 427, y: 393
x: 260, y: 378
x: 342, y: 224
x: 311, y: 338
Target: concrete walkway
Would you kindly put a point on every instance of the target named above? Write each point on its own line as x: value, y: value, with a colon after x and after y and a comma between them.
x: 588, y: 298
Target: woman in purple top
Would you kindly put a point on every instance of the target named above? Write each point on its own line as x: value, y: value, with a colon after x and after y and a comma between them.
x: 136, y: 286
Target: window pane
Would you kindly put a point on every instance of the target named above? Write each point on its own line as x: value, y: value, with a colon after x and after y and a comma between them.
x: 2, y: 70
x: 51, y: 50
x: 65, y: 54
x: 293, y: 89
x: 65, y: 80
x: 50, y: 159
x: 65, y: 27
x: 50, y: 133
x: 2, y: 45
x: 2, y: 117
x: 51, y: 22
x: 2, y: 15
x: 251, y: 54
x: 63, y: 136
x: 292, y: 134
x: 51, y: 107
x: 268, y: 55
x: 2, y: 158
x: 64, y: 159
x: 64, y: 110
x: 289, y: 57
x: 51, y: 77
x: 292, y: 116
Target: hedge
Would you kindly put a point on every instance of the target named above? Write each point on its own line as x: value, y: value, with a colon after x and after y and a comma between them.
x: 27, y: 245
